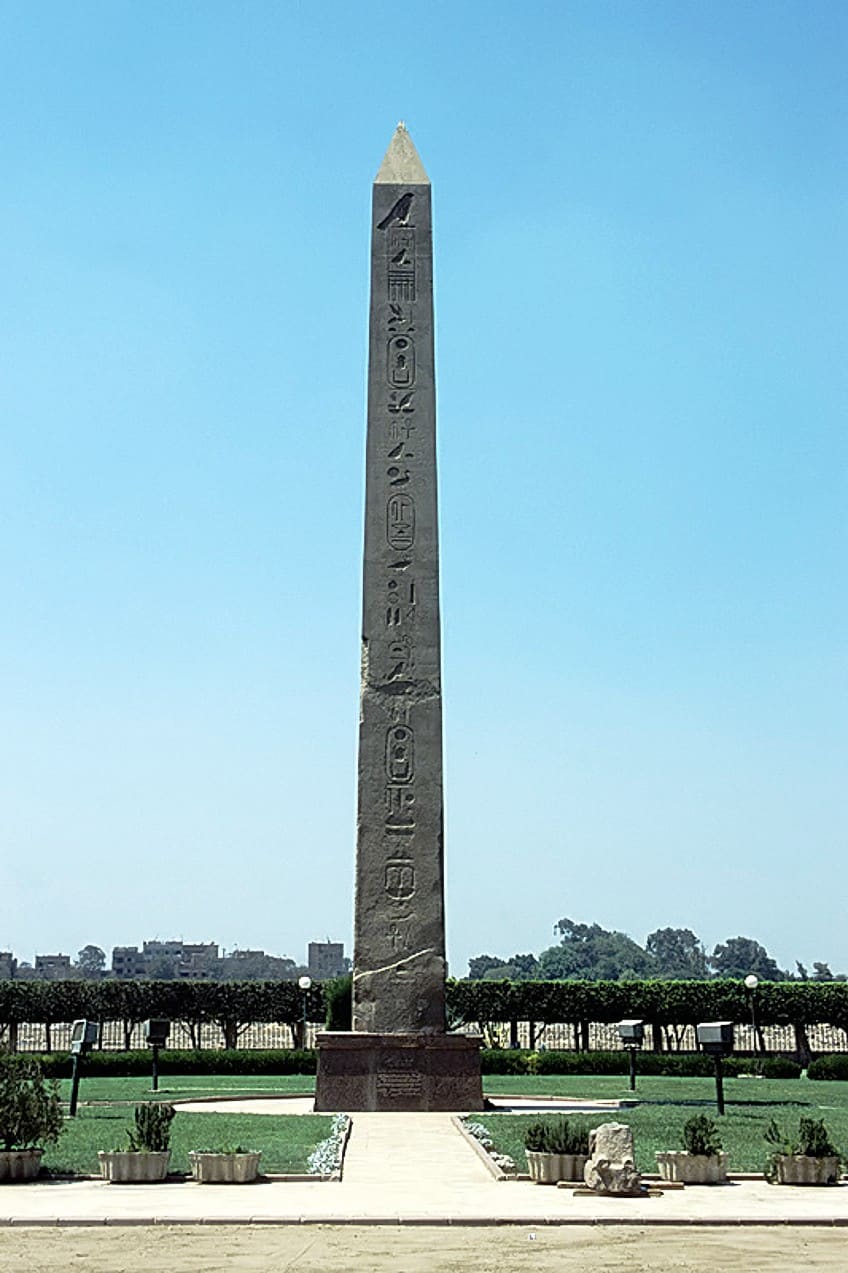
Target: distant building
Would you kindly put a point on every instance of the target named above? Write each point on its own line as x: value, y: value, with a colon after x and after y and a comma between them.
x: 195, y: 961
x: 53, y: 967
x: 326, y: 959
x: 198, y: 961
x: 128, y: 962
x: 8, y: 965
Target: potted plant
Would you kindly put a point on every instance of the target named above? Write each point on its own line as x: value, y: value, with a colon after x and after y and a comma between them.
x: 810, y: 1158
x: 30, y: 1116
x: 147, y: 1158
x: 556, y: 1150
x: 701, y: 1161
x: 224, y: 1166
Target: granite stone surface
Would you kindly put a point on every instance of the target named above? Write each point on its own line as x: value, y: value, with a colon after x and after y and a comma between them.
x: 393, y: 1072
x: 399, y: 929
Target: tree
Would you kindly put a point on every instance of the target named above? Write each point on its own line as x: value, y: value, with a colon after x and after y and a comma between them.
x: 518, y: 968
x: 678, y: 953
x: 592, y: 953
x: 479, y: 965
x: 740, y: 955
x: 821, y: 972
x: 162, y: 968
x: 91, y: 961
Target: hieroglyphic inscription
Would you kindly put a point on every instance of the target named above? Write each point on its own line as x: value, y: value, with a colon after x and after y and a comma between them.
x: 400, y: 819
x: 399, y: 933
x: 400, y: 362
x: 400, y: 755
x: 398, y: 665
x: 400, y: 522
x: 401, y: 249
x: 400, y: 879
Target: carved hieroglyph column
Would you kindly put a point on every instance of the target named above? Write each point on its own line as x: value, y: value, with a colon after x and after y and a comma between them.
x: 399, y: 938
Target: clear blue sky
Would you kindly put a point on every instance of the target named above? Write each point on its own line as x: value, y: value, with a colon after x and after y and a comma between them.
x: 641, y: 293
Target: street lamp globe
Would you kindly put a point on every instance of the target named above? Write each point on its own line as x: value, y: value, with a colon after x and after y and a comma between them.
x: 752, y: 981
x: 305, y: 983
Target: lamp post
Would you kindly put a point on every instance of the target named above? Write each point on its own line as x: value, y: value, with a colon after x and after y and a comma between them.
x: 716, y: 1038
x: 305, y: 984
x: 631, y: 1031
x: 751, y: 983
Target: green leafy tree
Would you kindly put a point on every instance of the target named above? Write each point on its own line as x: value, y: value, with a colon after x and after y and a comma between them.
x: 678, y: 954
x: 91, y: 962
x: 590, y: 953
x: 740, y: 955
x: 518, y: 968
x: 480, y: 965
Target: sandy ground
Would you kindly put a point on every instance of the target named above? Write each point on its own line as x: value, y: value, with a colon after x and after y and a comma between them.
x: 337, y: 1249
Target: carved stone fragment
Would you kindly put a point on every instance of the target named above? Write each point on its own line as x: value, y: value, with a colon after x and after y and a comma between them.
x: 612, y: 1167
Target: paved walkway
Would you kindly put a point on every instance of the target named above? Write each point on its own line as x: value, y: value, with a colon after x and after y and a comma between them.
x: 412, y: 1169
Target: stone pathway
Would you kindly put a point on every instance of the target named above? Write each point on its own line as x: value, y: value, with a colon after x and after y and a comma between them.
x: 410, y: 1169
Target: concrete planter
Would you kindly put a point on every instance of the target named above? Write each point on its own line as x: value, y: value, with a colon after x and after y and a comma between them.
x: 693, y: 1169
x: 798, y: 1169
x: 126, y: 1167
x: 549, y: 1169
x: 224, y: 1169
x: 19, y: 1164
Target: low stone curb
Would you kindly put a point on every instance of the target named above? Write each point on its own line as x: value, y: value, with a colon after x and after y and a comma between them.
x: 483, y: 1154
x: 530, y: 1221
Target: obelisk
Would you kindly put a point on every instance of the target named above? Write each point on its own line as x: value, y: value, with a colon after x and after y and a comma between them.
x: 398, y: 1055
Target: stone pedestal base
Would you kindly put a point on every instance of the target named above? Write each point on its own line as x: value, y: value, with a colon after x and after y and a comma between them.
x: 382, y: 1072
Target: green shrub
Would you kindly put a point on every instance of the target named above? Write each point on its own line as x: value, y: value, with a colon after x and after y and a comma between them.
x: 506, y: 1061
x: 658, y: 1064
x: 536, y: 1137
x: 173, y: 1061
x: 338, y: 1001
x: 152, y: 1131
x: 829, y: 1067
x: 30, y: 1112
x: 557, y: 1136
x: 812, y: 1140
x: 767, y: 1067
x: 701, y: 1136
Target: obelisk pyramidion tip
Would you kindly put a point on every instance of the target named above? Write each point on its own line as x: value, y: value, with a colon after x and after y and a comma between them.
x: 401, y: 165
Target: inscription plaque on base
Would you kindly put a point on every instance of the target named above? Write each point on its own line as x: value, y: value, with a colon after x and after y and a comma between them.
x: 382, y: 1072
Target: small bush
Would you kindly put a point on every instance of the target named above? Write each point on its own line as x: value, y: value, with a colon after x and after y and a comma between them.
x: 338, y: 1001
x: 701, y: 1136
x: 30, y: 1112
x: 829, y: 1067
x: 812, y: 1140
x: 152, y: 1132
x: 506, y: 1061
x: 557, y: 1136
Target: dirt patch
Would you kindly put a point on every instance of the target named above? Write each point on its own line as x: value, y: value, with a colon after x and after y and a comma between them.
x: 476, y: 1249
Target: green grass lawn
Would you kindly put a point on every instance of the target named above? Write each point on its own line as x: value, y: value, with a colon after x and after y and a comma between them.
x: 185, y: 1087
x: 286, y: 1140
x: 666, y: 1103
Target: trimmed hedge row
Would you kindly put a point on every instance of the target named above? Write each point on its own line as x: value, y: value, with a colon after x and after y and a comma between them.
x: 493, y: 1061
x: 669, y: 1064
x: 661, y: 1002
x: 134, y: 1001
x: 235, y: 1003
x: 176, y: 1061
